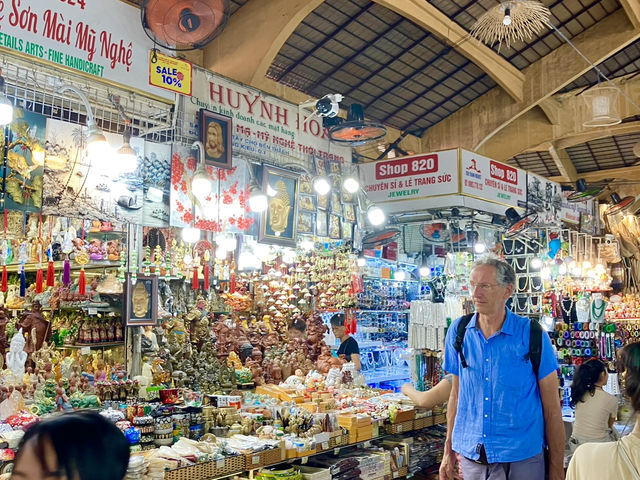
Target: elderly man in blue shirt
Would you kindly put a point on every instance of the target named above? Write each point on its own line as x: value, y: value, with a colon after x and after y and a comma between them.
x: 499, y: 413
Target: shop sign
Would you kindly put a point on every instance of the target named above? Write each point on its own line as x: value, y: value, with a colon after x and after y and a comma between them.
x: 101, y: 39
x: 170, y: 73
x: 263, y: 125
x: 493, y: 181
x: 570, y: 211
x: 411, y: 178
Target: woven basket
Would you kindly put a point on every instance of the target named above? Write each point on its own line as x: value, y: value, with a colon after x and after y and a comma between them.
x: 192, y: 472
x: 263, y: 459
x: 401, y: 472
x: 393, y: 428
x: 423, y: 422
x: 438, y: 419
x: 229, y: 465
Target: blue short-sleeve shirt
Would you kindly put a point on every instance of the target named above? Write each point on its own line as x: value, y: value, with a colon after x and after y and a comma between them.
x: 499, y: 402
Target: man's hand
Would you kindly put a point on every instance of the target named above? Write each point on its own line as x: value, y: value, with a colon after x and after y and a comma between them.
x: 448, y: 465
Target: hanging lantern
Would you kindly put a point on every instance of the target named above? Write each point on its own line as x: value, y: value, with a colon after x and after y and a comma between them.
x: 602, y: 107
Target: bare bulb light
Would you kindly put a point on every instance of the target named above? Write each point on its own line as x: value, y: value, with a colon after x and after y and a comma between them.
x: 479, y: 248
x: 424, y: 271
x: 362, y: 261
x: 351, y: 184
x: 201, y: 184
x: 190, y: 234
x: 536, y: 263
x: 376, y: 215
x: 321, y: 185
x: 506, y: 21
x: 400, y: 275
x: 258, y: 201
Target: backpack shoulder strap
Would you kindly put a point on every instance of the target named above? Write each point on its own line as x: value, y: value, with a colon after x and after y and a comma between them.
x: 535, y: 345
x: 462, y: 329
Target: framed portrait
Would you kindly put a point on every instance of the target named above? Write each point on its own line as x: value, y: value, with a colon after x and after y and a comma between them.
x: 321, y: 166
x: 349, y: 212
x: 215, y: 135
x: 307, y: 202
x: 305, y: 222
x: 306, y: 185
x: 323, y: 202
x: 336, y: 204
x: 278, y: 223
x: 334, y: 226
x: 142, y: 301
x: 335, y: 167
x: 321, y: 224
x: 347, y: 230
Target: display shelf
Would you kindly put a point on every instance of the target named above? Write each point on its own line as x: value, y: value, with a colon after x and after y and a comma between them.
x: 87, y: 308
x: 400, y: 312
x: 92, y: 265
x: 372, y: 278
x: 92, y: 345
x: 389, y: 378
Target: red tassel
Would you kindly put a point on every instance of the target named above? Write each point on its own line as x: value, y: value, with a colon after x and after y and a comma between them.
x: 51, y: 275
x: 195, y: 284
x: 4, y: 286
x: 205, y: 273
x: 39, y: 281
x: 232, y: 284
x: 82, y: 283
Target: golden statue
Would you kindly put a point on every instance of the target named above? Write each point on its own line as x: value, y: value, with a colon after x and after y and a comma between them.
x: 279, y: 208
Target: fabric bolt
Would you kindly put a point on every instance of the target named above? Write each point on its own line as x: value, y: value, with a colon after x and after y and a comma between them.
x: 499, y: 404
x: 528, y: 469
x: 592, y: 415
x: 596, y: 461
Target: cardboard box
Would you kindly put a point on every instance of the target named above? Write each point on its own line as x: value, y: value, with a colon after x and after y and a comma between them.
x: 350, y: 420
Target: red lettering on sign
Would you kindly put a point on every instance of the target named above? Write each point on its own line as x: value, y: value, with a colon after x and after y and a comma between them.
x: 404, y: 167
x: 504, y: 172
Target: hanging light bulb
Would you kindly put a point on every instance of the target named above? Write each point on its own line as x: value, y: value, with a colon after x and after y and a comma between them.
x: 376, y: 215
x: 258, y: 201
x: 362, y: 261
x: 545, y: 273
x: 221, y: 253
x: 190, y: 234
x: 536, y: 263
x: 201, y: 181
x: 321, y: 185
x: 399, y: 275
x: 229, y: 243
x: 599, y: 268
x: 127, y: 157
x: 6, y: 107
x: 307, y: 245
x: 506, y: 21
x: 586, y: 264
x: 479, y: 248
x: 351, y: 184
x: 562, y: 270
x: 424, y: 271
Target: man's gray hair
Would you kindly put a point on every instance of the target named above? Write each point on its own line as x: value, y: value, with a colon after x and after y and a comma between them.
x: 505, y: 273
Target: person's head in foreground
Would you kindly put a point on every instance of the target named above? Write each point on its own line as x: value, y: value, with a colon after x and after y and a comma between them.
x: 72, y: 446
x: 629, y: 367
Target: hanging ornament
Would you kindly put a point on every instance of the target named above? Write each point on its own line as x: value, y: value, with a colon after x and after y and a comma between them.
x: 134, y: 266
x: 5, y: 253
x: 82, y: 258
x: 39, y: 275
x: 51, y: 270
x: 205, y: 270
x: 195, y: 283
x: 23, y: 257
x: 167, y: 266
x: 158, y: 257
x: 147, y: 261
x: 122, y: 269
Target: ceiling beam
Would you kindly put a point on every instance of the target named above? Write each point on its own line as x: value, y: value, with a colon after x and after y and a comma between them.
x: 627, y: 173
x: 253, y: 37
x: 632, y: 9
x: 474, y: 125
x: 565, y: 166
x: 551, y: 109
x: 430, y: 18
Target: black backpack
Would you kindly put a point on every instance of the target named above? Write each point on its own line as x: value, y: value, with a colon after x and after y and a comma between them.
x: 535, y: 342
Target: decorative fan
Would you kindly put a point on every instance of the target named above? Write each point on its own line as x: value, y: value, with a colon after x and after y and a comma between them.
x: 356, y: 130
x: 584, y: 192
x: 184, y: 24
x: 619, y: 204
x: 383, y: 237
x: 517, y: 223
x: 436, y: 232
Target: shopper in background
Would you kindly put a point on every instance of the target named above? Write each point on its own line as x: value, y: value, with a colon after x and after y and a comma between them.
x: 621, y: 459
x: 499, y: 412
x: 348, y: 346
x: 596, y: 410
x: 297, y: 329
x: 72, y: 446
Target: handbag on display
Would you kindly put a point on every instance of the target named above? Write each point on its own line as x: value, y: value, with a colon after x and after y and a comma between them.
x: 609, y: 250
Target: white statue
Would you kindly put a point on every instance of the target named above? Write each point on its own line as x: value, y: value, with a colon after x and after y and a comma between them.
x: 16, y: 357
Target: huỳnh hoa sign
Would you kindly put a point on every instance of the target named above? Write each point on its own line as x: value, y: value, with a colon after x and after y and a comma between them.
x: 263, y: 125
x: 103, y: 39
x: 444, y: 179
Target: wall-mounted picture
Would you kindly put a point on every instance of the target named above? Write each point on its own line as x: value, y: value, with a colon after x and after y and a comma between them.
x: 215, y: 135
x: 305, y: 222
x: 278, y: 222
x: 349, y: 211
x: 321, y: 224
x: 305, y: 184
x: 307, y: 203
x: 321, y: 166
x: 335, y: 167
x: 347, y: 230
x: 142, y: 301
x: 336, y: 204
x: 323, y: 202
x: 334, y: 226
x: 348, y: 197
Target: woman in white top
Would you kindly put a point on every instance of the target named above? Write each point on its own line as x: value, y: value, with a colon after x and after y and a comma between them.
x: 596, y: 410
x: 621, y: 459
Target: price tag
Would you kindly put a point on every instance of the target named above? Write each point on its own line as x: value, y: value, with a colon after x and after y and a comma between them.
x: 336, y: 451
x: 325, y: 445
x: 304, y: 460
x: 367, y: 444
x: 219, y: 463
x: 339, y: 440
x: 93, y: 311
x: 395, y: 474
x: 170, y: 73
x: 255, y: 460
x: 85, y: 351
x: 400, y: 428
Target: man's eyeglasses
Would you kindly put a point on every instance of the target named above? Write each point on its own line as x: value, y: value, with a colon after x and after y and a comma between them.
x: 482, y: 286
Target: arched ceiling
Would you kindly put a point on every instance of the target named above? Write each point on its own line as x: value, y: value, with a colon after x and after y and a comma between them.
x: 413, y: 66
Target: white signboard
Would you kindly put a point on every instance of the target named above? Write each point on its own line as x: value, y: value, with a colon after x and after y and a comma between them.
x: 493, y: 181
x: 101, y: 38
x: 263, y: 125
x: 411, y: 178
x: 570, y: 211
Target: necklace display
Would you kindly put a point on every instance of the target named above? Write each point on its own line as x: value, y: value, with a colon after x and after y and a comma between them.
x: 582, y: 310
x: 597, y: 312
x: 504, y: 247
x: 520, y: 268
